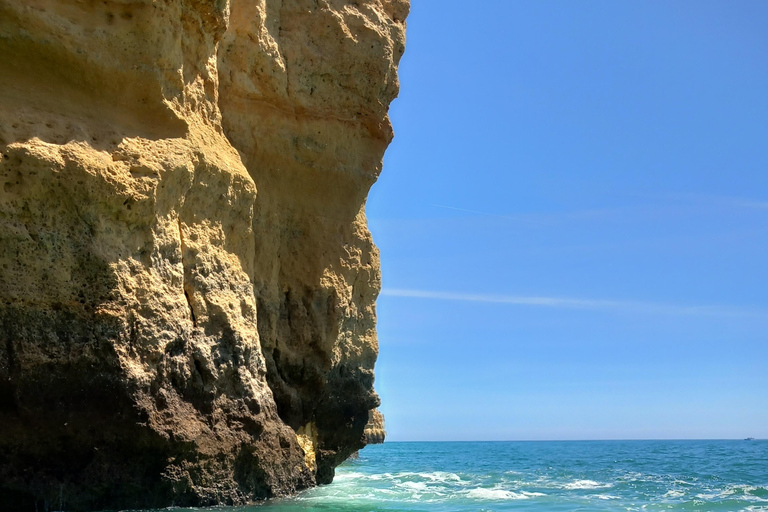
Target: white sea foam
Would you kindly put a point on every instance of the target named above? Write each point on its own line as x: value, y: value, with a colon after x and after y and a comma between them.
x: 746, y: 489
x: 441, y: 476
x: 495, y: 494
x: 413, y: 486
x: 434, y: 476
x: 673, y: 494
x: 585, y: 484
x: 382, y: 476
x: 605, y: 497
x: 350, y: 475
x: 746, y: 492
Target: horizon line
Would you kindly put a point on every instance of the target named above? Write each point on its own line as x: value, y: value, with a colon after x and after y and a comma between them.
x: 580, y: 440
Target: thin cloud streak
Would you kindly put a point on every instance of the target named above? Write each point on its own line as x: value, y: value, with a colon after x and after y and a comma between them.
x: 472, y: 211
x: 709, y: 202
x: 541, y: 219
x: 737, y: 202
x: 575, y: 303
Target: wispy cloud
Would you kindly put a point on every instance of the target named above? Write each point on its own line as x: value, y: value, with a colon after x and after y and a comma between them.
x: 579, y: 303
x: 476, y: 212
x: 708, y: 200
x: 543, y: 218
x: 672, y: 204
x: 734, y: 202
x: 463, y: 210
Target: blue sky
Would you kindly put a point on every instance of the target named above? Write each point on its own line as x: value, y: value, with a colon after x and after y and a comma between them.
x: 573, y: 222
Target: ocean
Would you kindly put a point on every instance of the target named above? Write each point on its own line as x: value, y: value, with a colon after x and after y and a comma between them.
x: 543, y: 476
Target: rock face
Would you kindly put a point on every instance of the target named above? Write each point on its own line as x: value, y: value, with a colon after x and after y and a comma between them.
x: 187, y: 282
x: 374, y: 432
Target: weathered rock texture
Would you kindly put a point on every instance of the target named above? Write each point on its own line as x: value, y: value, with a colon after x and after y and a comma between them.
x: 374, y: 432
x: 187, y: 282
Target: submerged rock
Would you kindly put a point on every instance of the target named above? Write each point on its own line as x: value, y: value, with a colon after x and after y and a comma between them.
x: 187, y: 281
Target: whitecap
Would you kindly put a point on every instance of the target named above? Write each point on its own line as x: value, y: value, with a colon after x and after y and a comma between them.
x: 585, y: 484
x: 744, y: 489
x: 381, y: 476
x: 605, y: 497
x: 350, y: 475
x: 441, y: 476
x: 435, y: 476
x: 495, y: 494
x: 413, y: 486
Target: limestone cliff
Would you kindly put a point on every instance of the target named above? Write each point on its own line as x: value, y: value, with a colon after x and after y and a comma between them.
x: 187, y: 282
x: 374, y: 432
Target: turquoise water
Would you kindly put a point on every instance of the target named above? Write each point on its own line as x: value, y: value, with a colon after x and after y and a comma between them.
x: 544, y: 476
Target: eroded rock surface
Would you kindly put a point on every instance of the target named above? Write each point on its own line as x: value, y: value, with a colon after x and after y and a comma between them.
x: 374, y: 432
x: 187, y: 282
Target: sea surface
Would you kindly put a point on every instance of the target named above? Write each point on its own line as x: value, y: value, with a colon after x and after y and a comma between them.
x: 543, y: 476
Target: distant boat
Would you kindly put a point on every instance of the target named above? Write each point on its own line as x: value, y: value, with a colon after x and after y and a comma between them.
x: 750, y: 439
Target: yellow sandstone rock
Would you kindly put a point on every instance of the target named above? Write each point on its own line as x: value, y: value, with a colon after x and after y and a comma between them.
x: 187, y: 281
x: 375, y: 432
x: 307, y: 437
